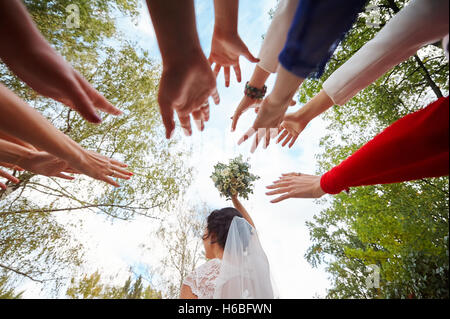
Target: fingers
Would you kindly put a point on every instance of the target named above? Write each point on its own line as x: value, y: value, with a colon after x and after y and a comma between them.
x: 64, y: 176
x: 293, y: 141
x: 265, y: 135
x: 83, y: 104
x: 99, y: 100
x: 117, y: 163
x: 235, y: 118
x: 267, y: 138
x: 237, y: 114
x: 71, y: 171
x: 292, y: 103
x: 279, y: 184
x: 217, y: 69
x: 118, y: 174
x: 247, y: 135
x: 9, y: 177
x: 227, y: 76
x: 12, y: 166
x: 288, y: 138
x: 167, y: 118
x: 198, y: 119
x: 281, y: 198
x: 109, y: 181
x: 185, y: 122
x: 205, y: 113
x: 282, y: 136
x: 262, y: 133
x: 255, y: 143
x: 237, y: 71
x: 250, y: 56
x: 278, y: 191
x: 290, y: 174
x: 215, y: 96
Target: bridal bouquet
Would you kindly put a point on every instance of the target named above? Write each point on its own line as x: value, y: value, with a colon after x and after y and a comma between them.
x: 234, y: 178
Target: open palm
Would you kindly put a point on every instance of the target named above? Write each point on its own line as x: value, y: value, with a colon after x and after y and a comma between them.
x: 225, y: 52
x: 291, y: 127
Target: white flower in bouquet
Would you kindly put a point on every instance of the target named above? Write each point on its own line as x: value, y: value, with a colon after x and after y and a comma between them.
x: 234, y: 178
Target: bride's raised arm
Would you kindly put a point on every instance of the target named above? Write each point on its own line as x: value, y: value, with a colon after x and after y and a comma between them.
x: 238, y: 205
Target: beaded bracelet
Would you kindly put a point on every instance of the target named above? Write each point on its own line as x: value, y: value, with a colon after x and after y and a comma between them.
x: 255, y: 93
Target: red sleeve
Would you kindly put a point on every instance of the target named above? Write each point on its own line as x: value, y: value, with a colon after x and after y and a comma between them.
x: 414, y: 147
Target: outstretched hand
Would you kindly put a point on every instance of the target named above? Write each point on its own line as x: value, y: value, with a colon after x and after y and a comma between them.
x: 100, y: 167
x: 296, y: 185
x: 48, y: 74
x: 185, y: 88
x: 35, y: 62
x: 43, y: 163
x: 291, y: 127
x: 244, y: 105
x: 267, y: 123
x: 226, y: 48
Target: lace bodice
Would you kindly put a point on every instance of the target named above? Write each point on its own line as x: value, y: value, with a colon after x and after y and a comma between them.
x: 203, y: 279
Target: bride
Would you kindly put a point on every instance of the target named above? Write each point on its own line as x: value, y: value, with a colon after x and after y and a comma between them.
x: 238, y: 267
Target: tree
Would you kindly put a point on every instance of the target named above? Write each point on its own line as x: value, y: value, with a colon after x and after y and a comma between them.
x: 6, y: 292
x: 180, y: 239
x: 91, y: 287
x: 401, y: 228
x: 34, y: 244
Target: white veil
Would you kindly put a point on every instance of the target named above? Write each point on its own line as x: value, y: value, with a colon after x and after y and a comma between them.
x: 245, y: 271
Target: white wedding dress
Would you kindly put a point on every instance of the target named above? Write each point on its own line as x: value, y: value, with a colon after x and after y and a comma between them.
x: 203, y: 279
x: 243, y: 272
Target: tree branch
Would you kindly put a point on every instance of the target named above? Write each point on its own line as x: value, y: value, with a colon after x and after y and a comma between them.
x: 78, y: 208
x: 430, y: 81
x: 20, y: 273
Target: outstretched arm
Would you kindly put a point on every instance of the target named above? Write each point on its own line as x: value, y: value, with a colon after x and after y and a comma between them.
x: 414, y: 147
x: 268, y: 54
x: 419, y: 23
x: 293, y: 124
x: 238, y: 205
x: 23, y: 122
x: 187, y: 80
x: 33, y: 161
x: 226, y: 45
x: 305, y: 54
x: 26, y: 52
x: 273, y: 108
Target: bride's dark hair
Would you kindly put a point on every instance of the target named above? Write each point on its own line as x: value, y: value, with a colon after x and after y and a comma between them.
x: 218, y: 224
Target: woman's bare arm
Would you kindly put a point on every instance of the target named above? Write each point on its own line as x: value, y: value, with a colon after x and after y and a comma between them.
x: 238, y: 205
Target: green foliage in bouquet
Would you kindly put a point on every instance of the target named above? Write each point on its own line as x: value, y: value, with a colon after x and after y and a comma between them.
x: 234, y: 178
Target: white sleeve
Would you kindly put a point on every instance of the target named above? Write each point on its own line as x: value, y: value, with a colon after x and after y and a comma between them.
x: 276, y: 35
x: 419, y: 23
